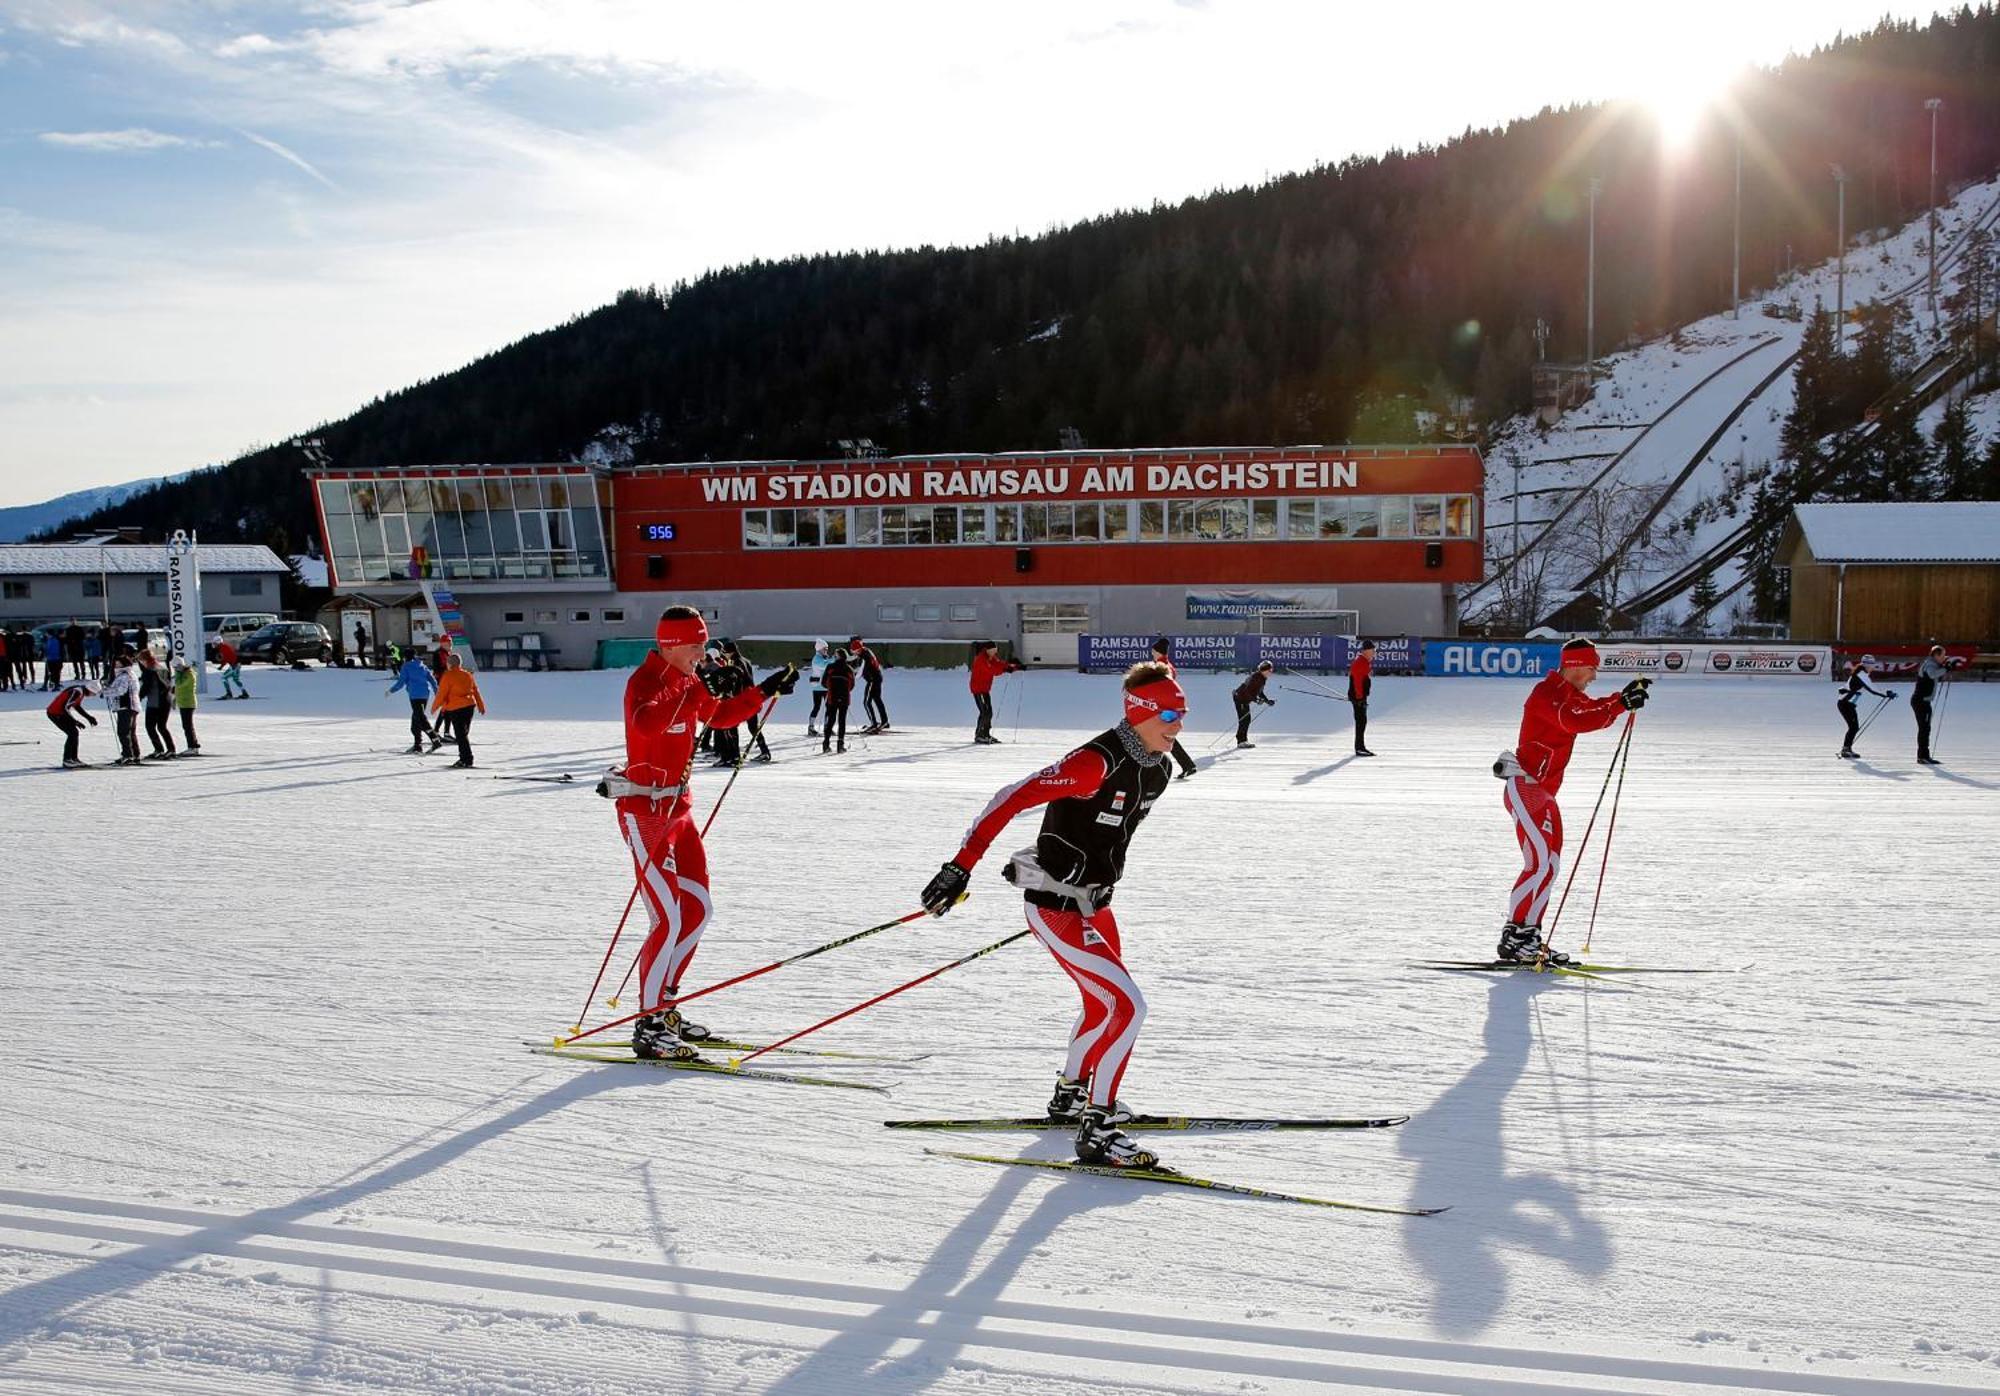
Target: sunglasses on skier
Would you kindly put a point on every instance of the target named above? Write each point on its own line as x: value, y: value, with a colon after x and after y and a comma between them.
x: 1170, y: 714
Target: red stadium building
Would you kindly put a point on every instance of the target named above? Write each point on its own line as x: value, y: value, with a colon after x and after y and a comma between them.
x: 1031, y: 548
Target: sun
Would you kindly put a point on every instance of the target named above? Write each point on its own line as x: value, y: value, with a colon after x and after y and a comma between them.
x: 1680, y: 93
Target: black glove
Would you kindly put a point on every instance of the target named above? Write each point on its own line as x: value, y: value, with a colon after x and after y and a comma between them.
x: 1890, y: 694
x: 942, y: 892
x: 1270, y: 702
x: 1633, y: 695
x: 779, y: 681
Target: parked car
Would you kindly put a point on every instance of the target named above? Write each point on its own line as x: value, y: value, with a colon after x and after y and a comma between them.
x: 233, y: 626
x: 287, y: 641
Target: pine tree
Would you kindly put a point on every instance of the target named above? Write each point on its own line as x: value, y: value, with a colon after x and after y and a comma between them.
x: 1956, y: 468
x: 1815, y: 396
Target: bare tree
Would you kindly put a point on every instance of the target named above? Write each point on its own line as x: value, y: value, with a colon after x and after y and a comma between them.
x: 1604, y: 538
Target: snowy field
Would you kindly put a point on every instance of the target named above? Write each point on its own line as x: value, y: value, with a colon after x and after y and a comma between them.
x: 268, y: 1124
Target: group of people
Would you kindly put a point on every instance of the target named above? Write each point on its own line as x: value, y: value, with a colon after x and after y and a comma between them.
x: 832, y: 674
x: 76, y: 650
x: 1923, y: 698
x: 443, y: 695
x: 140, y: 687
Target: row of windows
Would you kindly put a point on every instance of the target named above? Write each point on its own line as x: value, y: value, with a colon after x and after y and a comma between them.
x: 155, y: 586
x: 610, y: 615
x: 474, y: 528
x: 1337, y: 518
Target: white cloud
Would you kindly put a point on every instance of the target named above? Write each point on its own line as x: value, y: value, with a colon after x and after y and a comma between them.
x: 288, y: 156
x: 131, y: 138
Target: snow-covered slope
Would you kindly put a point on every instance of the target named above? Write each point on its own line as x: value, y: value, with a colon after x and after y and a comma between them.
x: 1657, y: 405
x: 267, y: 1124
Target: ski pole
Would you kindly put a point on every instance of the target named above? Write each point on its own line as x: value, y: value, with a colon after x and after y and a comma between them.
x: 1610, y: 829
x: 752, y: 974
x: 850, y: 1012
x: 578, y: 1025
x: 1584, y: 843
x: 1314, y: 682
x: 1887, y: 699
x: 742, y: 756
x: 1309, y: 693
x: 1937, y: 732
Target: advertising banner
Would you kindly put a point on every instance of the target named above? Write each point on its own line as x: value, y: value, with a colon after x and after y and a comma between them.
x: 1402, y: 655
x: 184, y: 627
x: 1766, y: 661
x: 1321, y: 653
x: 1898, y: 661
x: 1657, y: 660
x: 1500, y: 659
x: 1111, y: 654
x: 1244, y: 603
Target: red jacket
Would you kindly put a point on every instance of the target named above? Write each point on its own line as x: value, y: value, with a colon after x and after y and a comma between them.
x: 225, y: 653
x: 985, y: 670
x: 1359, y: 680
x: 663, y: 709
x: 1550, y: 719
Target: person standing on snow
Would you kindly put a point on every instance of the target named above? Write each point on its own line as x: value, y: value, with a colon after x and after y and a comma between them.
x: 457, y: 695
x: 1858, y: 671
x: 869, y: 665
x: 1932, y: 672
x: 747, y: 678
x: 664, y: 705
x: 1163, y: 653
x: 1360, y: 683
x: 1251, y: 690
x: 158, y: 697
x: 121, y: 696
x: 816, y: 679
x: 987, y: 665
x: 414, y: 678
x: 1556, y: 710
x: 185, y: 700
x: 1096, y: 797
x: 64, y: 710
x: 839, y: 681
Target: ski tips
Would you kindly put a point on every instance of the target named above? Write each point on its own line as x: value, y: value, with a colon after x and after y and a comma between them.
x: 611, y: 1003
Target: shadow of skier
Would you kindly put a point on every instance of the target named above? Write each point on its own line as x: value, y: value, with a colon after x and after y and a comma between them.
x: 1461, y: 1155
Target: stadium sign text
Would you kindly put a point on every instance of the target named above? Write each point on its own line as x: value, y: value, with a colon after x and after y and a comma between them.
x: 1009, y: 482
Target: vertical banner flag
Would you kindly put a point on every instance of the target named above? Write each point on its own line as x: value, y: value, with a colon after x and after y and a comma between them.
x: 184, y: 627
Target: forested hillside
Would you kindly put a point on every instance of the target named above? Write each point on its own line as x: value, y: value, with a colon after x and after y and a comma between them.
x: 1321, y: 306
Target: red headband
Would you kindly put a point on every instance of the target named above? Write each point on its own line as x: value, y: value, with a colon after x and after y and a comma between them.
x: 1149, y: 698
x: 1579, y: 652
x: 681, y: 630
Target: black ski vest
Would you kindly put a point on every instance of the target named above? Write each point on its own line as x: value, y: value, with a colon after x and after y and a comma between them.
x: 1083, y: 839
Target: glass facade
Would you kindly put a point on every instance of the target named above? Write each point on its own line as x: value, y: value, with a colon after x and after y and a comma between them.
x: 1329, y: 518
x: 472, y: 528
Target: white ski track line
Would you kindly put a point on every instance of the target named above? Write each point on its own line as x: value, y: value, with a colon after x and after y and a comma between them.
x: 168, y: 1238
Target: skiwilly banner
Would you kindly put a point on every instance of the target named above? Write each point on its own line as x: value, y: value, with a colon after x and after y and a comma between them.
x: 1656, y: 660
x: 1897, y: 661
x: 1114, y: 654
x: 1498, y: 659
x: 1766, y: 661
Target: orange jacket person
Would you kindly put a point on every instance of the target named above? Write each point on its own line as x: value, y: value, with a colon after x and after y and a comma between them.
x: 457, y: 695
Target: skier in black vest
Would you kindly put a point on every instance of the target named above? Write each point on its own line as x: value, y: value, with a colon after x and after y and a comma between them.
x: 1858, y: 671
x: 1096, y: 797
x: 1251, y: 690
x: 1930, y: 674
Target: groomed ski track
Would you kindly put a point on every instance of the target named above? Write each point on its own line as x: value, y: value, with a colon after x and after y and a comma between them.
x: 276, y: 1133
x: 485, y: 1296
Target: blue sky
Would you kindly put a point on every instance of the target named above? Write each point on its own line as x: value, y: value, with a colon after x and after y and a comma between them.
x: 224, y: 222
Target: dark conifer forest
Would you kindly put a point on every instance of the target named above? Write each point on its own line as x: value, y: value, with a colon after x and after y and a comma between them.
x: 1284, y: 313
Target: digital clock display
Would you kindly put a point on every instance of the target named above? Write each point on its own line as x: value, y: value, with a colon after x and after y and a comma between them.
x: 657, y: 532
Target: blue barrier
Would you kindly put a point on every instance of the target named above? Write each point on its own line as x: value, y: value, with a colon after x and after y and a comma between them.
x: 1507, y: 659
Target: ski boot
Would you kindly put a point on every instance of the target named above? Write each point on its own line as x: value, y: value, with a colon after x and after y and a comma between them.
x: 1101, y: 1142
x: 1523, y: 945
x: 1066, y: 1105
x: 683, y: 1029
x: 1246, y: 745
x: 653, y: 1040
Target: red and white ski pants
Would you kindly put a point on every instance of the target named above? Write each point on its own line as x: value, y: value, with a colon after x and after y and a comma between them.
x: 1113, y: 1007
x: 1538, y: 824
x: 672, y: 869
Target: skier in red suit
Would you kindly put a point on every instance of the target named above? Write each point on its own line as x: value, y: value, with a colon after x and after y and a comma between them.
x: 987, y: 665
x: 1095, y: 798
x: 665, y: 704
x: 1557, y: 709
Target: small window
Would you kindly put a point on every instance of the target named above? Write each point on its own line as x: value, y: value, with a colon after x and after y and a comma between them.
x: 246, y: 586
x: 924, y: 610
x: 513, y: 617
x: 964, y: 611
x: 1152, y: 520
x: 1299, y: 519
x: 1006, y: 523
x: 14, y: 591
x: 1395, y: 516
x: 1087, y: 523
x: 156, y: 586
x: 545, y: 617
x: 579, y: 617
x: 1117, y: 522
x: 1263, y: 519
x: 833, y: 528
x: 1427, y: 516
x: 889, y: 615
x: 1458, y: 516
x: 93, y: 586
x: 868, y: 527
x: 756, y: 528
x: 972, y: 523
x: 612, y: 617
